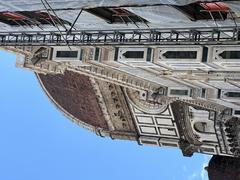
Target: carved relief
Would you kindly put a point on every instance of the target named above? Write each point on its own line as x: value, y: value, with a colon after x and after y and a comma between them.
x: 116, y: 106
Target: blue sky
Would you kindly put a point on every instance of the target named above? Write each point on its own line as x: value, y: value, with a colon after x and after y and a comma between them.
x: 38, y: 143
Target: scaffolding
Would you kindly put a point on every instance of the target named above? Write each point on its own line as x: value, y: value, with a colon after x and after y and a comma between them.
x: 174, y: 36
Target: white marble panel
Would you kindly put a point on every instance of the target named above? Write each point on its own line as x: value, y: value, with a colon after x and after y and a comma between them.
x: 164, y: 121
x: 166, y: 131
x: 148, y: 130
x: 145, y: 119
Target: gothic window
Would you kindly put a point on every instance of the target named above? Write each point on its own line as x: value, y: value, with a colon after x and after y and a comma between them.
x: 230, y: 54
x: 116, y: 54
x: 203, y: 95
x: 205, y: 11
x: 97, y: 54
x: 116, y: 15
x: 180, y: 92
x: 180, y: 54
x: 67, y: 54
x: 149, y: 54
x: 81, y: 54
x: 134, y: 54
x: 29, y: 18
x: 205, y: 54
x: 232, y: 94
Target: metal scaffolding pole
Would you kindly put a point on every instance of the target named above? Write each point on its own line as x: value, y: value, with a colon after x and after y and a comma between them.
x: 180, y: 36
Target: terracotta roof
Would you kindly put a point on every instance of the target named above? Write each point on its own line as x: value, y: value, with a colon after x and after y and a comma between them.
x: 74, y: 93
x: 224, y: 168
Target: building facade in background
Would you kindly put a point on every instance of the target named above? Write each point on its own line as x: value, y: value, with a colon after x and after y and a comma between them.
x: 160, y: 73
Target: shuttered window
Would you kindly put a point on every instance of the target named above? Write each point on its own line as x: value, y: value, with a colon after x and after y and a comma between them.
x: 116, y: 15
x: 205, y: 11
x: 29, y: 18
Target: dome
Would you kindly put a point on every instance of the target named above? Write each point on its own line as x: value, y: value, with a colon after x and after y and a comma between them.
x: 74, y: 95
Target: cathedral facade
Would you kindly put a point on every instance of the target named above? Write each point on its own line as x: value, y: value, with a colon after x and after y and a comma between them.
x: 131, y: 70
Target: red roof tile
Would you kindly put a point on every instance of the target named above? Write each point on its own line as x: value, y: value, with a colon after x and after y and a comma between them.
x: 74, y: 93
